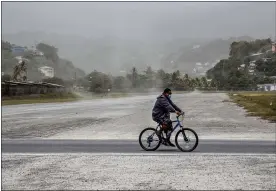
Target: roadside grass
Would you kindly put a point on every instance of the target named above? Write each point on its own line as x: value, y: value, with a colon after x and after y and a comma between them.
x: 214, y: 91
x: 69, y: 97
x: 181, y: 92
x: 91, y: 96
x: 262, y: 104
x: 40, y: 98
x: 112, y: 95
x: 58, y: 97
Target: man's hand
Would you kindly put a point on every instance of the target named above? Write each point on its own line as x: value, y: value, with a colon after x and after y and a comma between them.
x: 178, y: 113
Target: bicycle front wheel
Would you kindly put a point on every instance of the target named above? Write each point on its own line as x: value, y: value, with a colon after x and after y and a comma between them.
x: 149, y: 140
x: 186, y: 140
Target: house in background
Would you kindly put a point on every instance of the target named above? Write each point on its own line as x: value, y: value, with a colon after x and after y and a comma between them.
x: 18, y: 50
x: 47, y: 71
x: 267, y: 87
x: 273, y: 47
x: 36, y: 52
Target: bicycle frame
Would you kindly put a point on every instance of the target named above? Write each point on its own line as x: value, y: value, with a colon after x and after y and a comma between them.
x: 164, y: 139
x: 178, y: 123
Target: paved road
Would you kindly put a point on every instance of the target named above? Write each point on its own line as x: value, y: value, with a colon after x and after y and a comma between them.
x: 127, y: 146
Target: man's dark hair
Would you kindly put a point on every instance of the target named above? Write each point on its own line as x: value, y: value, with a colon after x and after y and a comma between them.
x: 167, y: 90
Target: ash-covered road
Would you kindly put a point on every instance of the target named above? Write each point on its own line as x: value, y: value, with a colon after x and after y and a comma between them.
x: 92, y: 145
x: 124, y: 119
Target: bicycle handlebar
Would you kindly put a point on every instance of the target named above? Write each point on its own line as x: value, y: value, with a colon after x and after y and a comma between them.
x: 183, y: 113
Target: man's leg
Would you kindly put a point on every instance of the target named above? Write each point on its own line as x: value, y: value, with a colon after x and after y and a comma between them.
x: 168, y: 130
x: 166, y: 127
x: 163, y: 127
x: 159, y: 121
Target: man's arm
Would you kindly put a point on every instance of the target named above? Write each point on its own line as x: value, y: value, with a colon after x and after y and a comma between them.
x: 175, y: 107
x: 166, y: 104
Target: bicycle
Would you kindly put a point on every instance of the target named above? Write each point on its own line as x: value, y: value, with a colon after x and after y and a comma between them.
x: 183, y: 131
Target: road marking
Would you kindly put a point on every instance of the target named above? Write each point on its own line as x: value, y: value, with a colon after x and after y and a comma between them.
x: 145, y: 154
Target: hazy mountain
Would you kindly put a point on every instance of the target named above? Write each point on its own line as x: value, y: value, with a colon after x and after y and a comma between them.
x: 186, y: 57
x: 114, y: 55
x: 63, y: 68
x: 115, y: 36
x: 108, y: 54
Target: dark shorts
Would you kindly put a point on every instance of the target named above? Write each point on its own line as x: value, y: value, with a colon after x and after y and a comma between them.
x: 165, y: 119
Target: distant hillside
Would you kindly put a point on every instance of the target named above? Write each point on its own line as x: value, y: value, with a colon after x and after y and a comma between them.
x: 63, y: 68
x: 115, y: 55
x: 210, y: 52
x: 249, y: 63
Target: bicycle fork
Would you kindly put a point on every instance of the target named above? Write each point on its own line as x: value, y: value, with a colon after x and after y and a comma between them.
x: 184, y: 135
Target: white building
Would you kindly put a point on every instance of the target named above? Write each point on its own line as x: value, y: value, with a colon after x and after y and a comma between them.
x: 252, y: 62
x: 252, y: 65
x: 38, y: 53
x: 47, y: 71
x: 267, y: 87
x: 273, y: 47
x: 196, y: 46
x: 251, y: 71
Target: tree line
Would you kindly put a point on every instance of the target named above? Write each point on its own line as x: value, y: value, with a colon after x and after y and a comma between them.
x: 227, y: 74
x: 99, y: 82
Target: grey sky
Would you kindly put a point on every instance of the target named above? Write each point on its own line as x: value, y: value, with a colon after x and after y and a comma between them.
x: 142, y: 20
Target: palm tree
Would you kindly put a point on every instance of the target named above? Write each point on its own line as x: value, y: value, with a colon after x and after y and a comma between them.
x: 187, y: 81
x: 134, y: 77
x: 198, y: 82
x: 204, y: 82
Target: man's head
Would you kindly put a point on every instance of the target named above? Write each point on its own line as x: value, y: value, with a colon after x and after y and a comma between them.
x: 167, y: 92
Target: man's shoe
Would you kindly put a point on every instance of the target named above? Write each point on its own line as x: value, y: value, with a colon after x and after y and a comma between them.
x: 164, y: 142
x: 170, y: 143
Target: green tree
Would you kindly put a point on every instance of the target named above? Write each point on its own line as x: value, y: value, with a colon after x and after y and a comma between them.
x: 198, y: 83
x: 118, y: 82
x: 134, y: 77
x: 204, y: 82
x: 6, y: 77
x: 6, y: 46
x: 149, y: 75
x: 100, y: 82
x: 50, y: 52
x: 213, y: 84
x: 187, y: 82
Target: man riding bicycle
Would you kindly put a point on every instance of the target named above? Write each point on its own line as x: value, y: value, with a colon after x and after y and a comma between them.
x: 161, y: 113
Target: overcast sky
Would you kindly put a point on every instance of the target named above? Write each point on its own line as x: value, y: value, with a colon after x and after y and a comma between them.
x: 142, y: 20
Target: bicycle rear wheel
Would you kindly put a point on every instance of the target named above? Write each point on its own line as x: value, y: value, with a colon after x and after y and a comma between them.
x: 149, y: 140
x: 190, y: 140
